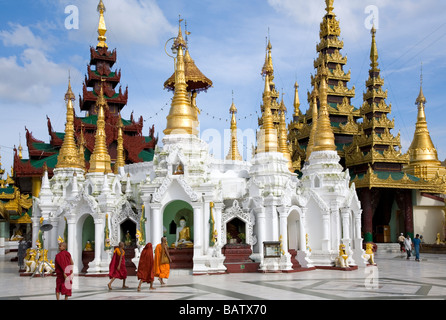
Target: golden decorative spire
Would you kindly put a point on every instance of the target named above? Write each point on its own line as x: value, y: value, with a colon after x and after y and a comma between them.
x: 120, y: 161
x: 283, y: 136
x: 324, y: 139
x: 183, y: 117
x: 102, y: 29
x: 423, y: 155
x: 296, y: 103
x: 82, y: 147
x: 69, y: 154
x: 313, y: 129
x: 268, y: 133
x: 100, y: 159
x: 374, y: 52
x: 268, y: 67
x: 234, y: 153
x: 330, y: 6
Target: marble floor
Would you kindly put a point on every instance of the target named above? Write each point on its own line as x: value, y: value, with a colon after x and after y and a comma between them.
x: 394, y: 278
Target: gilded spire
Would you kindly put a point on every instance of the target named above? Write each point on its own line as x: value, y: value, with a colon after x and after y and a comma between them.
x: 82, y: 147
x: 100, y: 159
x: 313, y: 129
x: 374, y: 52
x: 183, y: 117
x: 234, y: 153
x: 268, y: 133
x: 268, y: 67
x: 330, y: 6
x: 102, y: 29
x: 69, y: 154
x: 120, y: 161
x: 422, y: 149
x: 296, y: 103
x: 283, y: 136
x: 324, y: 139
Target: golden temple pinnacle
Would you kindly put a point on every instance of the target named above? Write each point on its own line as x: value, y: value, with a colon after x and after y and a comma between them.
x: 424, y: 161
x: 102, y: 29
x: 100, y: 159
x: 268, y: 141
x: 296, y: 103
x: 69, y: 154
x: 234, y: 153
x: 313, y: 129
x: 324, y: 139
x: 120, y: 160
x: 183, y: 117
x: 374, y: 52
x: 283, y: 136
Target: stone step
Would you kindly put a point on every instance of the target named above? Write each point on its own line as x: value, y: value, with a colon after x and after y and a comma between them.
x: 388, y: 247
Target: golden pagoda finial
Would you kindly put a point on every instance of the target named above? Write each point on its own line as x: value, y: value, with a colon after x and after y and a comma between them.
x: 120, y: 161
x: 283, y: 136
x: 296, y: 103
x: 374, y: 51
x: 314, y: 117
x: 183, y: 117
x: 69, y: 154
x: 234, y: 153
x: 421, y: 99
x: 330, y: 6
x: 324, y: 138
x: 82, y: 147
x: 268, y: 67
x: 100, y: 159
x: 268, y: 133
x: 102, y: 29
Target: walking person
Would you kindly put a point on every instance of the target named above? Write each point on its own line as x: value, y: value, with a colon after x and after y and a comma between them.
x: 408, y: 246
x: 63, y: 265
x: 401, y: 242
x: 146, y: 271
x: 417, y: 247
x: 117, y: 269
x: 162, y: 261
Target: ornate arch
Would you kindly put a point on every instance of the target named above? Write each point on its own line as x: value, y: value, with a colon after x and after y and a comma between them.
x: 247, y: 217
x: 122, y: 212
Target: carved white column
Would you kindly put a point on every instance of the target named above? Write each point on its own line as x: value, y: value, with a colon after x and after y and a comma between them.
x: 156, y: 223
x: 72, y: 242
x: 261, y: 229
x: 326, y: 231
x: 218, y: 208
x: 198, y: 228
x: 283, y: 230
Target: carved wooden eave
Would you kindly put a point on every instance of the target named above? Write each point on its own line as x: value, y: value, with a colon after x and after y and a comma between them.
x: 371, y: 180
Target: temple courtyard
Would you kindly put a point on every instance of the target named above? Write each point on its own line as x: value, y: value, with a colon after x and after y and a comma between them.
x: 394, y: 278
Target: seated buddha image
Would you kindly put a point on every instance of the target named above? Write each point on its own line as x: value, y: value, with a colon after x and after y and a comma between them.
x: 183, y: 238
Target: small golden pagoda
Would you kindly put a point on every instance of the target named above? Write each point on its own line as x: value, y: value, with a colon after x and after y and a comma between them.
x: 183, y: 115
x: 423, y: 157
x: 234, y: 153
x: 100, y: 159
x: 69, y: 154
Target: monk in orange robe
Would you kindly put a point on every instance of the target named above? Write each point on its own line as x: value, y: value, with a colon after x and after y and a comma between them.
x: 117, y: 269
x: 145, y: 267
x: 162, y: 261
x: 64, y: 271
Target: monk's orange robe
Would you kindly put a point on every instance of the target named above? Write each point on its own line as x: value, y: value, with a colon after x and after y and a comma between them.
x: 161, y: 270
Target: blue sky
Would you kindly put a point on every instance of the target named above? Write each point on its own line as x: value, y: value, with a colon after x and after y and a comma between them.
x: 227, y: 42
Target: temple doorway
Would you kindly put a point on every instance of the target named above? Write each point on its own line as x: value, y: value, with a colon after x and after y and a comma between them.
x: 128, y: 236
x: 88, y: 236
x: 178, y: 228
x: 236, y: 231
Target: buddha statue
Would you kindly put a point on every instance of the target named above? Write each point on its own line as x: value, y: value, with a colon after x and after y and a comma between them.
x: 88, y: 246
x: 183, y: 238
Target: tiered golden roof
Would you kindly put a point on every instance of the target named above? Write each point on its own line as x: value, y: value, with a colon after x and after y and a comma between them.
x: 375, y: 144
x: 69, y: 154
x: 343, y: 116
